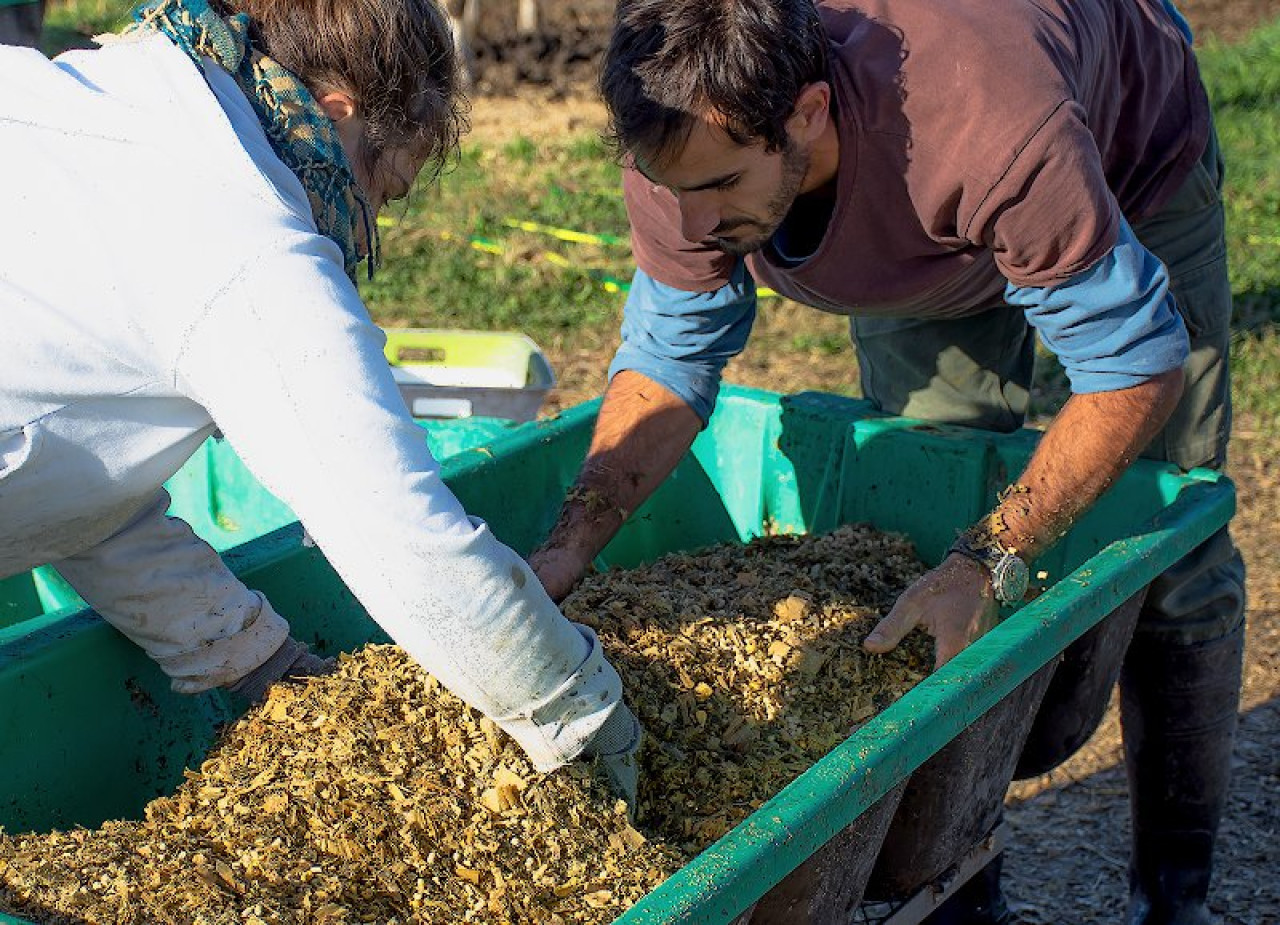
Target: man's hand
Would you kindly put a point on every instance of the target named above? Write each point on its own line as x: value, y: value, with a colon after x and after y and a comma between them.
x: 558, y: 569
x: 1086, y: 448
x: 954, y: 602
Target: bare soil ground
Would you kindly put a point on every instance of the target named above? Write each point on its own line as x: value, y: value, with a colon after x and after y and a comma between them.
x: 561, y: 58
x: 1070, y: 828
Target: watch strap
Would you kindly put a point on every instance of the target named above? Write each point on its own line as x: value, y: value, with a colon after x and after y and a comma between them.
x: 1009, y: 584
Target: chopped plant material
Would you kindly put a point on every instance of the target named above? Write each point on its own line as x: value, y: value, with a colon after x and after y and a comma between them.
x: 374, y: 795
x: 745, y: 665
x: 371, y: 795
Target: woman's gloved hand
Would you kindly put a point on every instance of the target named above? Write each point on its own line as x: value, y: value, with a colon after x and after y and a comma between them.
x: 291, y: 660
x: 617, y: 746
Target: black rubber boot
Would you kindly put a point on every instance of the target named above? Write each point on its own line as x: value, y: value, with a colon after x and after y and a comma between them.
x: 980, y: 901
x: 1178, y: 707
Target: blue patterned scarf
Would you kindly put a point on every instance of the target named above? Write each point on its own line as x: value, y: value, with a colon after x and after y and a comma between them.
x: 303, y: 137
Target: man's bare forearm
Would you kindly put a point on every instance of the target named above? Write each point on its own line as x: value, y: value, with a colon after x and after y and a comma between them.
x: 1089, y: 444
x: 642, y: 433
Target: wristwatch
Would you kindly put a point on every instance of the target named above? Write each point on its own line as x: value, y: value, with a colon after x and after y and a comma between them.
x: 1009, y: 574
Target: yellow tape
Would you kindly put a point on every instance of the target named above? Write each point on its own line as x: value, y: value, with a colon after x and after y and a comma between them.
x: 478, y: 244
x: 581, y: 237
x: 564, y: 234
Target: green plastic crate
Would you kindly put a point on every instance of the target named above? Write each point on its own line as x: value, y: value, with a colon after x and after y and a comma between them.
x: 90, y: 730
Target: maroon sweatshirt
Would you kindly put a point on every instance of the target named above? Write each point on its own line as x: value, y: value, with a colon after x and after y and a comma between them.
x: 981, y: 141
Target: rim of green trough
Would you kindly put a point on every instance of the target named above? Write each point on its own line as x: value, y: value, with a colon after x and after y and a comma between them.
x: 725, y: 879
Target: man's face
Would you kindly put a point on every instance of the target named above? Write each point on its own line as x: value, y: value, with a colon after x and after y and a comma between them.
x: 731, y: 196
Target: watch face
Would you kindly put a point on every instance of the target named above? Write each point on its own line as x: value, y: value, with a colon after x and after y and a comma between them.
x: 1010, y: 578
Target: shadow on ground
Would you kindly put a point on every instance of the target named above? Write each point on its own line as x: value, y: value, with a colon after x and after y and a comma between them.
x: 1069, y: 848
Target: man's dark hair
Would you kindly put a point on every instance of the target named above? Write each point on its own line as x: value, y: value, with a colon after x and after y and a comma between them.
x: 671, y: 61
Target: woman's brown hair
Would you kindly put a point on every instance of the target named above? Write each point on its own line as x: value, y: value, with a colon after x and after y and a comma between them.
x: 395, y: 57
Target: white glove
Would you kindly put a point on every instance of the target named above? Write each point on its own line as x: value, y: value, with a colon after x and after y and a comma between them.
x: 617, y: 746
x: 291, y: 660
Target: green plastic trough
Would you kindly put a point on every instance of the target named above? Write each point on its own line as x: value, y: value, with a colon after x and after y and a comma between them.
x: 227, y: 507
x: 90, y: 730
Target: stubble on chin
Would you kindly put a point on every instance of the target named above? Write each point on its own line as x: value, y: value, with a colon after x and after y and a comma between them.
x: 743, y: 248
x: 795, y: 165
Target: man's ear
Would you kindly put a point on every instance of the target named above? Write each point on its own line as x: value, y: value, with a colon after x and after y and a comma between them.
x: 337, y: 105
x: 811, y: 112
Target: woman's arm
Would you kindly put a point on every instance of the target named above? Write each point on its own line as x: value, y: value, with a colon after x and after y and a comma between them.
x: 291, y: 368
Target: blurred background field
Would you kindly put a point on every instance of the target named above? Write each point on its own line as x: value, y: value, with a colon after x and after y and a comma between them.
x: 486, y: 248
x: 454, y: 258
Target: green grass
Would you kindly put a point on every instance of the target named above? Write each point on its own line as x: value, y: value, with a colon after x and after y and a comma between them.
x: 434, y: 274
x: 70, y: 23
x: 822, y: 342
x: 1255, y: 364
x: 1244, y: 83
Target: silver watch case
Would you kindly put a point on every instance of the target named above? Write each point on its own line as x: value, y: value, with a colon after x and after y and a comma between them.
x: 1010, y: 578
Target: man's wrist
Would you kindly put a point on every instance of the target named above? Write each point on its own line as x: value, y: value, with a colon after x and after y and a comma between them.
x: 973, y: 567
x: 1007, y: 573
x: 588, y: 520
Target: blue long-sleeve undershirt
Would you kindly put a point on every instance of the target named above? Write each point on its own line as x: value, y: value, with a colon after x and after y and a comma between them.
x: 1113, y: 326
x: 1180, y: 21
x: 682, y: 340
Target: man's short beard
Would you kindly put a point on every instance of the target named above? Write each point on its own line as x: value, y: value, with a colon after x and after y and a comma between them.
x: 795, y: 165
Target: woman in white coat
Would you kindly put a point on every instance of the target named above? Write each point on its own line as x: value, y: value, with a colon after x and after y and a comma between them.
x: 186, y: 210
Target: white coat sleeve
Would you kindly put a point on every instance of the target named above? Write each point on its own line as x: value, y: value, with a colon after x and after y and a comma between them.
x: 289, y: 365
x: 167, y: 590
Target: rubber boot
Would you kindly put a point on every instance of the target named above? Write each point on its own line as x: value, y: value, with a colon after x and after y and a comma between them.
x: 1178, y: 708
x: 979, y: 901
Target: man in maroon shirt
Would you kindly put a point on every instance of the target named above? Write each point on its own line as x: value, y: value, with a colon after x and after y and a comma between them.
x: 959, y: 178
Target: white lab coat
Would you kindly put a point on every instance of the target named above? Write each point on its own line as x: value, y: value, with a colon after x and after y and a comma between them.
x: 160, y: 274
